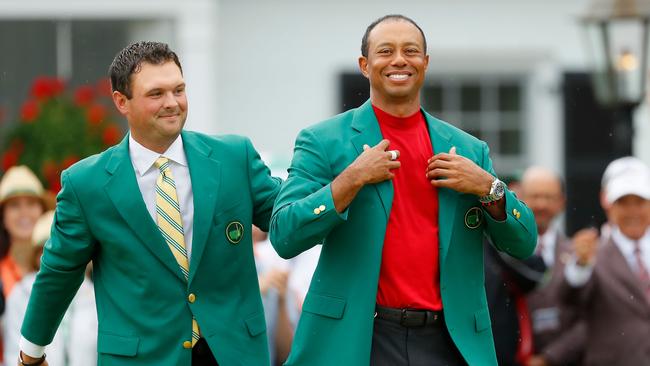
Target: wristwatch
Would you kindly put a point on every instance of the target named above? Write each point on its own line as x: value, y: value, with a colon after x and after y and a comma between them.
x: 497, y: 190
x: 35, y: 363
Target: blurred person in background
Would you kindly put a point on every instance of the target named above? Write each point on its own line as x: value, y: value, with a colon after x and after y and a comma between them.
x: 558, y: 333
x: 22, y: 202
x: 75, y: 343
x: 273, y: 274
x: 507, y: 282
x: 610, y: 281
x: 615, y: 168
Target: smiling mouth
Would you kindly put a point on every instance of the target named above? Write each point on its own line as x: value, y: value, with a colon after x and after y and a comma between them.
x: 399, y: 77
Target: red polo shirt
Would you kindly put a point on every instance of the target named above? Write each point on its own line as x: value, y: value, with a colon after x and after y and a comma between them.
x: 410, y: 274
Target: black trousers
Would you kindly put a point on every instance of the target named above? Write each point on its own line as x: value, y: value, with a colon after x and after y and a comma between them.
x: 201, y: 354
x: 396, y: 345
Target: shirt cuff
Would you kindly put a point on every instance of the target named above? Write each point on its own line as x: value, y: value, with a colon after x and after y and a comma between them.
x: 31, y: 349
x: 577, y: 276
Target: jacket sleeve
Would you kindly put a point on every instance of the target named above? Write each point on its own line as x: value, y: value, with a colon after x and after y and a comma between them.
x: 304, y: 211
x: 264, y: 188
x: 63, y: 265
x: 517, y: 234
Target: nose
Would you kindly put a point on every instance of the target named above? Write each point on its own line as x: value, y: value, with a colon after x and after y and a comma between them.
x: 399, y: 59
x: 169, y: 100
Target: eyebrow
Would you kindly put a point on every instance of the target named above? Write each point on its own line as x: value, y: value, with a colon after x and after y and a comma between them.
x: 392, y: 44
x: 151, y: 91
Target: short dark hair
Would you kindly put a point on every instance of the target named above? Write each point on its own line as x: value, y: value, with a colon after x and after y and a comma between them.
x: 129, y: 61
x: 393, y: 17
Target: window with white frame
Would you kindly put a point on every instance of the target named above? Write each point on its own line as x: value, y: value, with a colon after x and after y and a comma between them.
x: 491, y: 108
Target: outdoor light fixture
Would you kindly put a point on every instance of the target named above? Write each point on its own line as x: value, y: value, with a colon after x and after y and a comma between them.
x: 618, y: 36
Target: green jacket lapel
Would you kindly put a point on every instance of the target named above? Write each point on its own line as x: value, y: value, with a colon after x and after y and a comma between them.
x: 205, y: 173
x: 122, y: 188
x: 447, y: 198
x: 365, y: 122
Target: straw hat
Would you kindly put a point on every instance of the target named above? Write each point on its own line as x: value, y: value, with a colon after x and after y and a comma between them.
x: 42, y: 229
x: 20, y: 181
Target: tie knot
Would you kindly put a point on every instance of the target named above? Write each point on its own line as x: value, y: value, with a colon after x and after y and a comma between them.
x: 162, y: 164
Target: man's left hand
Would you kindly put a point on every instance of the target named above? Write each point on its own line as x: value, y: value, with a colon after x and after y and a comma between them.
x: 450, y: 170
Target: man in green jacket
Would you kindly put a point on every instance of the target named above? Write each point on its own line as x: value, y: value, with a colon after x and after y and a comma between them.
x: 399, y: 201
x: 165, y: 217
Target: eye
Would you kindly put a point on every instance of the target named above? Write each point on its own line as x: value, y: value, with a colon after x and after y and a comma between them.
x: 179, y: 91
x: 155, y: 94
x: 384, y: 51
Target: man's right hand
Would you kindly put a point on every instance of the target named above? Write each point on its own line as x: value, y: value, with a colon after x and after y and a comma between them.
x: 585, y: 246
x: 374, y: 165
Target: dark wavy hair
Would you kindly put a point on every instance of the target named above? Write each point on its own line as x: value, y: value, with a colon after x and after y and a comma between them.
x: 129, y: 61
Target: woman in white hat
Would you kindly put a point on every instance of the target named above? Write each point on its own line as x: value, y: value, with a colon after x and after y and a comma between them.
x: 75, y: 342
x: 21, y: 204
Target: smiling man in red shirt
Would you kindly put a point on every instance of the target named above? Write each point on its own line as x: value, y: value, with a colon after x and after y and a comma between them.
x: 399, y: 201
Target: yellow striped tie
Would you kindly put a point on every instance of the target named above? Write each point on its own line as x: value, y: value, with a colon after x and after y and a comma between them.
x: 170, y: 224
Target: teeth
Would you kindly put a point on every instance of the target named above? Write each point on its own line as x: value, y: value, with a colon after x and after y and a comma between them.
x: 398, y: 76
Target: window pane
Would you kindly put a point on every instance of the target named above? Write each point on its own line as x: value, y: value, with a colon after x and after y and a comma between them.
x: 89, y: 61
x: 510, y: 97
x: 510, y: 142
x: 432, y: 98
x: 28, y: 51
x: 470, y: 97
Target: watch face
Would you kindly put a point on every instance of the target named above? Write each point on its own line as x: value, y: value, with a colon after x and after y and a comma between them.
x: 499, y: 189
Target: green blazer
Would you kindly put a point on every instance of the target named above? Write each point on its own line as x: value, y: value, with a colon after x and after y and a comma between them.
x: 336, y: 324
x: 142, y: 297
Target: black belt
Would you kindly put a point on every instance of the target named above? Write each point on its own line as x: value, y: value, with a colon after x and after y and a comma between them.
x: 409, y: 318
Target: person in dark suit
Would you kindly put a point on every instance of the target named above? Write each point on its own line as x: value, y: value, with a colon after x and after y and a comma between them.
x: 165, y: 217
x: 610, y: 283
x: 558, y: 333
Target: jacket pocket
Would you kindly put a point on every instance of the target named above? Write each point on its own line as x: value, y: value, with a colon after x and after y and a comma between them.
x: 256, y: 324
x: 329, y: 306
x: 482, y: 319
x: 117, y: 345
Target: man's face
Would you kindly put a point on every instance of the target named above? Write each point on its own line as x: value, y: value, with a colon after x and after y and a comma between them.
x: 157, y: 109
x: 396, y: 62
x: 545, y: 198
x: 631, y: 214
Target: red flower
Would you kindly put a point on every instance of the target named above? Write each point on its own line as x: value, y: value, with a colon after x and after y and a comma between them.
x: 68, y: 161
x: 84, y: 95
x: 103, y: 87
x: 29, y: 111
x: 54, y: 183
x: 50, y: 170
x: 46, y: 87
x: 96, y: 114
x: 111, y: 135
x: 9, y: 159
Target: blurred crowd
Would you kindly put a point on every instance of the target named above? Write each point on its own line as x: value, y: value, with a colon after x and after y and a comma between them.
x: 579, y: 300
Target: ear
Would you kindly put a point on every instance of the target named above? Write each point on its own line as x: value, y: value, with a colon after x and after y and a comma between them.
x: 426, y: 62
x: 121, y: 102
x: 363, y: 65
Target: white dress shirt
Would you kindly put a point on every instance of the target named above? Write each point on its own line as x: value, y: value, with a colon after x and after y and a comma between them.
x: 547, y: 243
x: 146, y: 174
x: 577, y: 275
